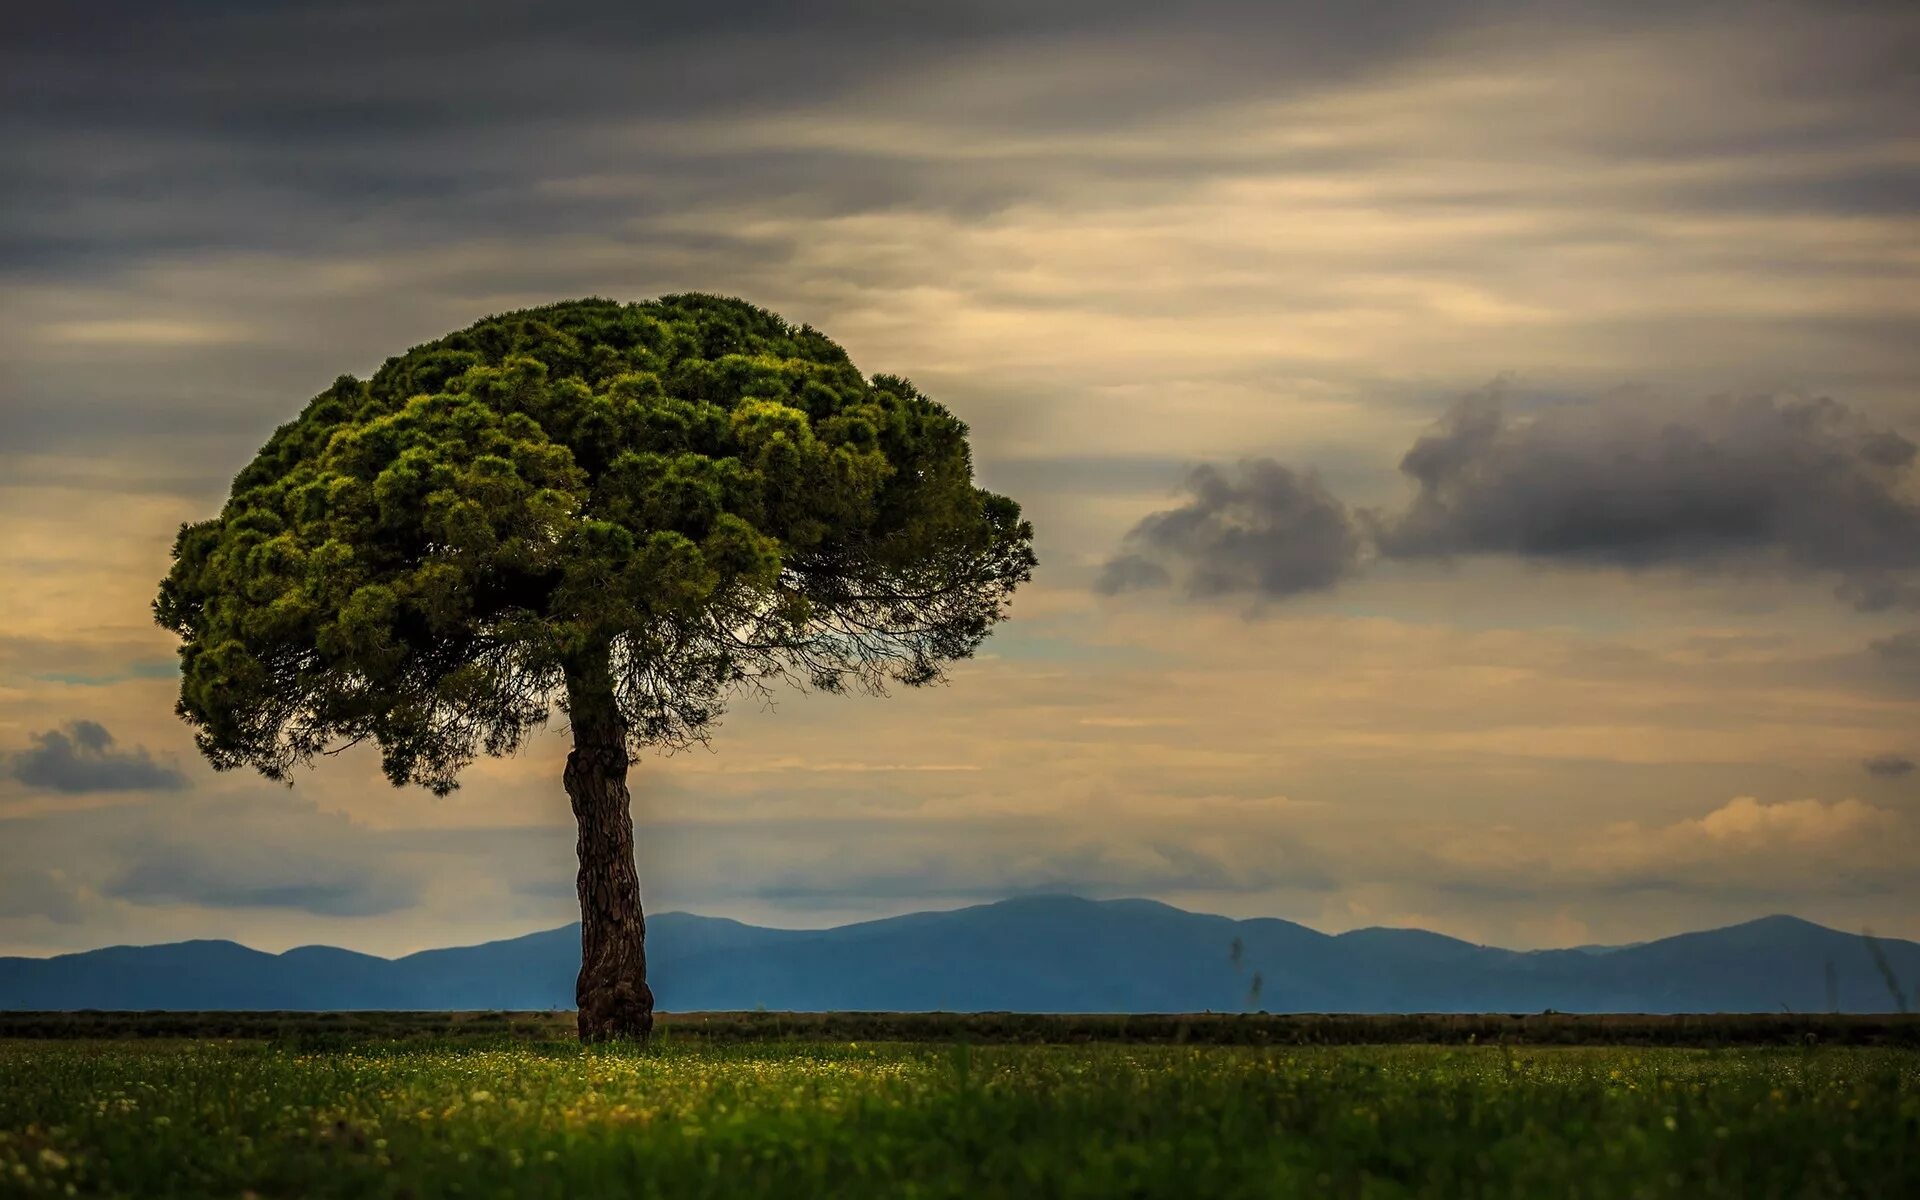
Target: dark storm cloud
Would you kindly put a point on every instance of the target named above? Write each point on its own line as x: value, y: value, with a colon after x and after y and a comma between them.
x: 246, y: 144
x: 431, y: 157
x: 1806, y: 487
x: 145, y: 130
x: 154, y: 129
x: 82, y: 758
x: 1889, y: 766
x: 1263, y: 530
x: 1786, y: 486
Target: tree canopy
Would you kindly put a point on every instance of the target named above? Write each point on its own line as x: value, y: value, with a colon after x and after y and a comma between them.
x: 689, y: 494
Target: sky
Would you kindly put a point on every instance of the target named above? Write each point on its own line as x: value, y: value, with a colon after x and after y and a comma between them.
x: 1472, y: 446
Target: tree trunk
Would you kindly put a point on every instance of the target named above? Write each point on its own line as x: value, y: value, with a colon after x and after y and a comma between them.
x: 612, y: 993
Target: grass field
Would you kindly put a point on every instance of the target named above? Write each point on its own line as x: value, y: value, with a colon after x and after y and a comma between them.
x: 1225, y: 1029
x: 691, y: 1117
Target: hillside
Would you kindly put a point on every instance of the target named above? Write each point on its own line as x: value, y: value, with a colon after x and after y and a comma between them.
x: 1033, y: 954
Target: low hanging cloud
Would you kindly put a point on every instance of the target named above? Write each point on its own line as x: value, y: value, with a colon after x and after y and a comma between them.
x: 263, y: 851
x: 1797, y: 485
x: 280, y: 873
x: 1889, y: 766
x: 1263, y: 530
x: 82, y: 757
x: 1783, y: 486
x: 1787, y: 850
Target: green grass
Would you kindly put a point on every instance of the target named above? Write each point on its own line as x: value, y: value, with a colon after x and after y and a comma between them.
x: 1227, y: 1029
x: 690, y: 1118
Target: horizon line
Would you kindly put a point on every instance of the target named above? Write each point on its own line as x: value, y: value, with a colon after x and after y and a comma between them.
x: 983, y: 904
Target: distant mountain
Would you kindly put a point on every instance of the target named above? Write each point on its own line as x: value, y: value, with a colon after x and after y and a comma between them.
x: 1034, y: 954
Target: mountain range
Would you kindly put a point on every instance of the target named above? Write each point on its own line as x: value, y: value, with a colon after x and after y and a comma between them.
x: 1031, y: 954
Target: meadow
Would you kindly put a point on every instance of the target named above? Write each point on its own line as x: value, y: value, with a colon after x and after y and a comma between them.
x: 328, y: 1028
x: 691, y: 1117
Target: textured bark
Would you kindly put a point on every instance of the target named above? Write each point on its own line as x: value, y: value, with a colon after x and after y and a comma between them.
x: 612, y: 993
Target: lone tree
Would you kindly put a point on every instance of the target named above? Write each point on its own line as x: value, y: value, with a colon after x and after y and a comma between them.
x: 635, y: 509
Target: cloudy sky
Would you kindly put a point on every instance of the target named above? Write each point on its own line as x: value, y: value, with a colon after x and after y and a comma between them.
x: 1472, y: 445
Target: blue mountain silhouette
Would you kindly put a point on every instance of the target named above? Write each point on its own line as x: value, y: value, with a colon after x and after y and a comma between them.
x: 1032, y: 954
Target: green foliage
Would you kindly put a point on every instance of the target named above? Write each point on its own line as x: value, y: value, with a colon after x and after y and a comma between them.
x: 691, y: 1119
x: 690, y: 491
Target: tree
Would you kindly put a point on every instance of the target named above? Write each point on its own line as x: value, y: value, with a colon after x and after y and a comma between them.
x: 635, y: 510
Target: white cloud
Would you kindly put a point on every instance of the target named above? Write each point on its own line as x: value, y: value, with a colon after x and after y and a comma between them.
x: 1748, y: 821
